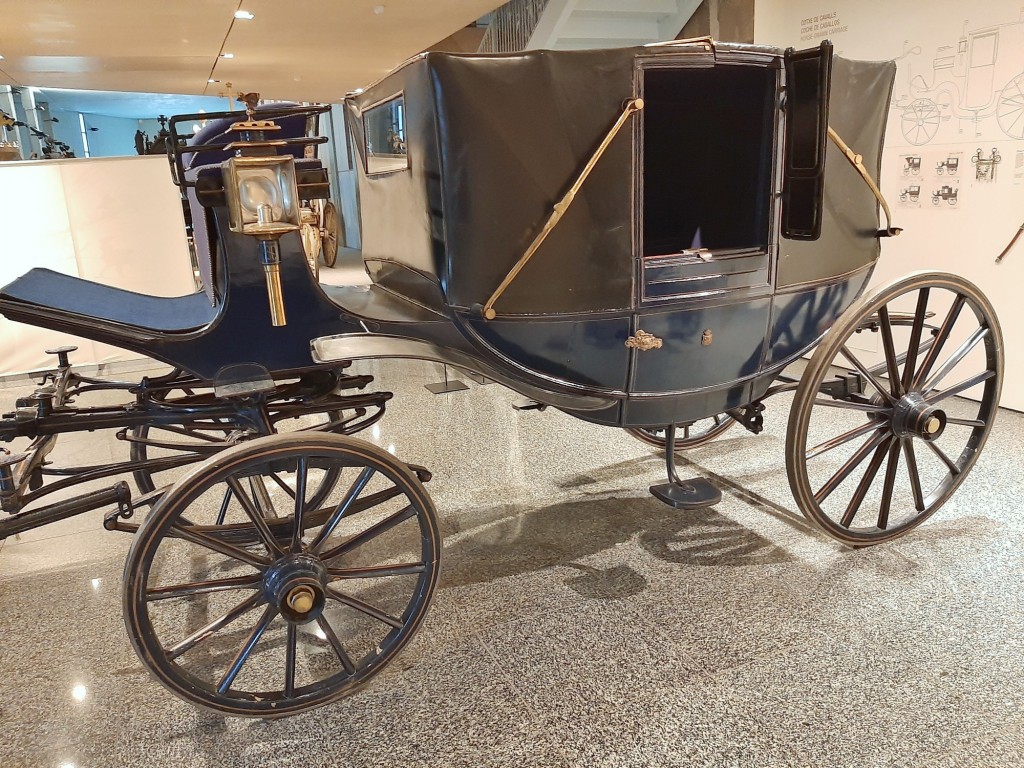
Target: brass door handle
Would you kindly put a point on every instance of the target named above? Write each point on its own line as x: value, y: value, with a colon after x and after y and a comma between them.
x: 643, y: 341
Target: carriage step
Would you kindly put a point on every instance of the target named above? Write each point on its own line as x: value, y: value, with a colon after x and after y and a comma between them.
x: 529, y: 405
x: 695, y: 493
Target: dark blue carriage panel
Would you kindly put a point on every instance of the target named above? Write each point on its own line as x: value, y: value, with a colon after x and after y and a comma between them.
x: 584, y: 352
x: 707, y: 347
x: 799, y: 318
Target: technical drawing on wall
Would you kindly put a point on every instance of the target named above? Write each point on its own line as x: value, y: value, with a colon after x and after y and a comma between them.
x: 951, y: 165
x: 946, y: 192
x: 911, y: 196
x: 985, y: 166
x: 979, y: 78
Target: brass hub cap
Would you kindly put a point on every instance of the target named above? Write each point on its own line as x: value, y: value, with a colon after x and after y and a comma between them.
x: 296, y: 584
x: 914, y: 417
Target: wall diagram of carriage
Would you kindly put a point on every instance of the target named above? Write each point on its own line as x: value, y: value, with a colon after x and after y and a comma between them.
x: 911, y: 194
x: 981, y: 76
x: 945, y: 192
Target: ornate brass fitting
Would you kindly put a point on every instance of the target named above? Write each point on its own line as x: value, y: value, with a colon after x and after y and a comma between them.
x: 643, y: 341
x: 706, y: 338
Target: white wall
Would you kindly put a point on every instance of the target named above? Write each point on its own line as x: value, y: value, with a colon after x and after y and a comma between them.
x: 113, y: 221
x: 963, y: 239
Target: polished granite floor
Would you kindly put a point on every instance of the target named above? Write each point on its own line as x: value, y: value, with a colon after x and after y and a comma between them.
x: 578, y: 621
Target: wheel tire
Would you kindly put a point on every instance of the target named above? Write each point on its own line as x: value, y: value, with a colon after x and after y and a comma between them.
x: 895, y: 419
x: 693, y: 436
x: 293, y: 578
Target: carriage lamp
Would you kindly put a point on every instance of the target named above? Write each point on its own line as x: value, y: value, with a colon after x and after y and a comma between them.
x: 263, y: 201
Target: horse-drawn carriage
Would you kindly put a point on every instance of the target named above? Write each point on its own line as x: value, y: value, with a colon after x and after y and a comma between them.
x: 644, y: 238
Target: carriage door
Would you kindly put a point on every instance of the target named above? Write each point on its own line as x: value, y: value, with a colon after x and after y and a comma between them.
x: 706, y: 168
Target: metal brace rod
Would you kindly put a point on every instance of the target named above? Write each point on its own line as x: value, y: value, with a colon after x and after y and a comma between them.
x: 857, y: 161
x: 633, y: 105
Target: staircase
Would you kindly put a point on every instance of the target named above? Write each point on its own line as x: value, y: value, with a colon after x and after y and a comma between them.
x: 575, y: 24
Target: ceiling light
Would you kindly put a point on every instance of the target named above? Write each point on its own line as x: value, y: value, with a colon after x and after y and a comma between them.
x: 211, y: 80
x: 245, y: 15
x: 378, y: 9
x: 1, y: 58
x: 79, y: 692
x: 227, y: 55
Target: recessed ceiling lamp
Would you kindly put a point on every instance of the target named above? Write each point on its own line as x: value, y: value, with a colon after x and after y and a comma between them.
x: 245, y: 15
x: 378, y: 9
x: 1, y: 58
x: 211, y: 80
x: 227, y: 55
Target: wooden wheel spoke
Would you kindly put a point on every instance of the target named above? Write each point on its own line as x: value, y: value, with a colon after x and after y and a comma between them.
x: 892, y: 367
x: 950, y: 465
x: 221, y: 547
x: 301, y: 474
x: 289, y: 661
x: 940, y: 340
x: 342, y: 509
x: 364, y: 607
x: 844, y: 438
x: 256, y: 517
x: 915, y: 476
x: 263, y: 501
x: 851, y: 464
x: 965, y: 422
x: 376, y: 571
x: 370, y: 533
x: 339, y: 649
x: 282, y: 485
x: 202, y: 633
x: 956, y: 389
x: 187, y: 589
x: 864, y: 485
x: 920, y: 314
x: 862, y: 369
x: 890, y: 480
x: 851, y: 406
x: 954, y: 360
x: 246, y: 650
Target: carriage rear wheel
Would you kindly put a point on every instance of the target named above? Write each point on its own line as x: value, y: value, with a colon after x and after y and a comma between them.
x: 688, y: 436
x: 331, y: 226
x: 324, y: 600
x: 874, y: 450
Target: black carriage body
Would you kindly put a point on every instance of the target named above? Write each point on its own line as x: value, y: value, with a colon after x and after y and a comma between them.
x: 676, y: 232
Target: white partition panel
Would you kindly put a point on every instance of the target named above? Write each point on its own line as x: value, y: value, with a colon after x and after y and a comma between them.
x: 115, y: 221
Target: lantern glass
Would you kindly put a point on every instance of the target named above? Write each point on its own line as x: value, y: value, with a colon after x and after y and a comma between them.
x: 262, y: 194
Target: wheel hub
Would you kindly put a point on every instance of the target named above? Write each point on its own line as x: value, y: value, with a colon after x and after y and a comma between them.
x: 914, y: 417
x: 296, y: 584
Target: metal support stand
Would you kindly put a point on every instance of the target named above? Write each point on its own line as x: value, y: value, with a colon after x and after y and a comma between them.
x: 448, y: 385
x: 694, y: 493
x: 483, y: 381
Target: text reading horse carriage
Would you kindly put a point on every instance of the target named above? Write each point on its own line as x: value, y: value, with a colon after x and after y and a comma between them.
x: 644, y: 238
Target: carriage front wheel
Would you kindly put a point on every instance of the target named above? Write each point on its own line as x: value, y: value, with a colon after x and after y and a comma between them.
x: 324, y: 599
x: 875, y: 448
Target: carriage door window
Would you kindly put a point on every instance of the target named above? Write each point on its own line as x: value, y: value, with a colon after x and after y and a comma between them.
x: 384, y: 137
x: 708, y: 135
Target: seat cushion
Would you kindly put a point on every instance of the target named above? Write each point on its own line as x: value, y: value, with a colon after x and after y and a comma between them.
x: 54, y: 290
